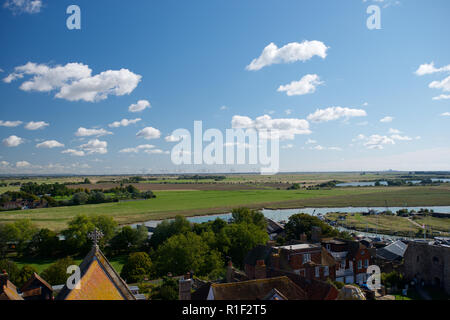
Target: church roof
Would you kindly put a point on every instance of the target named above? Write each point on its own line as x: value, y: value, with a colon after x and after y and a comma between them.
x: 99, y: 281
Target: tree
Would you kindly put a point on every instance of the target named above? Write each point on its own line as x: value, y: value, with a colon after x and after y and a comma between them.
x: 246, y: 215
x: 18, y: 233
x: 237, y: 239
x: 80, y: 198
x: 77, y: 241
x: 56, y: 274
x: 182, y: 253
x: 86, y: 181
x: 167, y: 229
x: 97, y: 197
x: 303, y: 223
x: 25, y: 274
x: 45, y: 243
x: 11, y: 269
x: 137, y: 267
x: 129, y: 239
x: 168, y: 290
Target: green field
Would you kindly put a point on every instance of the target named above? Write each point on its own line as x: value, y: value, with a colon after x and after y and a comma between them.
x: 190, y: 203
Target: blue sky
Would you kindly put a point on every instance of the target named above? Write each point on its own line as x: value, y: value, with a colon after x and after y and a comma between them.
x: 188, y: 60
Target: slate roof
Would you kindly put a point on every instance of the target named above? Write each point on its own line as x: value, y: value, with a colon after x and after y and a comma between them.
x: 394, y: 251
x: 99, y: 281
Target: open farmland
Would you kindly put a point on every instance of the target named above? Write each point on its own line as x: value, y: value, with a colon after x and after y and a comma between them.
x: 167, y: 204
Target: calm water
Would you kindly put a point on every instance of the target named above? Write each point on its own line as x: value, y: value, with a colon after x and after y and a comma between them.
x: 284, y: 214
x: 383, y: 183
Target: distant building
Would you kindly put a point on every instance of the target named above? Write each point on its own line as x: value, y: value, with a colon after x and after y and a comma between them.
x: 391, y: 256
x: 428, y: 264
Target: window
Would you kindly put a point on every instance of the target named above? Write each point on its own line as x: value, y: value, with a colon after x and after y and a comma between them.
x: 317, y: 272
x: 366, y: 263
x: 359, y: 264
x: 435, y: 260
x: 343, y: 264
x: 306, y: 257
x: 328, y: 246
x: 326, y: 271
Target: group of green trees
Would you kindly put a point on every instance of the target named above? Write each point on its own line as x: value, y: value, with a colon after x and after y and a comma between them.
x: 56, y: 195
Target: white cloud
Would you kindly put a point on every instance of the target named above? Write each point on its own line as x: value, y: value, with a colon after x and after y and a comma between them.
x: 377, y: 141
x: 442, y: 97
x: 305, y: 85
x: 223, y: 108
x: 281, y: 128
x: 23, y: 6
x: 141, y: 105
x: 334, y: 113
x: 446, y: 114
x: 137, y: 149
x: 13, y: 141
x: 311, y: 141
x: 291, y: 52
x: 156, y: 151
x: 36, y: 125
x: 49, y: 144
x: 149, y: 133
x: 335, y: 148
x: 444, y: 84
x: 75, y: 81
x: 172, y: 138
x: 73, y: 152
x: 95, y: 146
x: 124, y: 123
x: 10, y: 124
x: 287, y: 146
x: 4, y: 163
x: 401, y: 138
x: 288, y: 111
x: 429, y: 68
x: 23, y: 164
x: 394, y: 131
x: 387, y: 119
x: 83, y: 132
x: 318, y: 147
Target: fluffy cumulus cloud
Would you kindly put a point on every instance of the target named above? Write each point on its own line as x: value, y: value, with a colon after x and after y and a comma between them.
x: 281, y: 128
x: 442, y: 97
x: 124, y: 123
x: 74, y: 81
x: 32, y: 125
x: 289, y: 53
x: 335, y: 113
x: 13, y: 141
x: 137, y: 149
x: 23, y: 6
x: 73, y: 152
x: 377, y: 141
x: 149, y: 133
x: 305, y: 85
x: 172, y: 138
x: 23, y: 164
x: 156, y: 151
x: 429, y: 68
x: 141, y: 105
x: 446, y: 114
x: 95, y: 146
x: 83, y: 132
x: 387, y: 119
x: 10, y: 124
x: 444, y: 85
x: 50, y: 144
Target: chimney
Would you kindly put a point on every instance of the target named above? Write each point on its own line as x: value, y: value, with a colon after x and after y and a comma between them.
x: 229, y: 275
x: 316, y: 234
x: 275, y: 261
x: 303, y: 237
x: 3, y: 280
x: 260, y: 270
x: 184, y: 287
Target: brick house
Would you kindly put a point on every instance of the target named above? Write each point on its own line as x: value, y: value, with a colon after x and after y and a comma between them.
x: 307, y: 260
x: 352, y: 259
